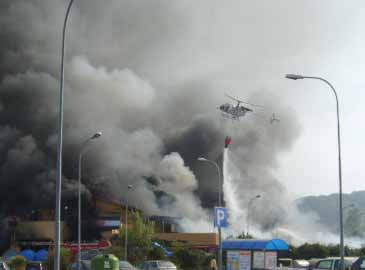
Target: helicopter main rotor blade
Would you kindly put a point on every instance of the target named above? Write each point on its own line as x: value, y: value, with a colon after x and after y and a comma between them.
x: 240, y: 101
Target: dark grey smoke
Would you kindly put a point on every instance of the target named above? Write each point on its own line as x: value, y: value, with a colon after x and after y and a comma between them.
x: 154, y: 127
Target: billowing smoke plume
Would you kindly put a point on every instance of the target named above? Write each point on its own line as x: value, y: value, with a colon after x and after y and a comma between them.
x: 154, y: 126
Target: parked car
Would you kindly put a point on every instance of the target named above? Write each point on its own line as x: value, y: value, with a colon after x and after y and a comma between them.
x: 359, y: 264
x: 124, y: 265
x: 3, y: 265
x: 157, y: 265
x: 334, y: 263
x: 287, y: 262
x: 312, y: 263
x: 85, y: 265
x: 87, y: 255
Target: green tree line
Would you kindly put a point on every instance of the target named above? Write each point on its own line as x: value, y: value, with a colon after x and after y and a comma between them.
x: 308, y: 251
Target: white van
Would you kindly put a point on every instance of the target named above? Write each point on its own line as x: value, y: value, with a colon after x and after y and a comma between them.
x: 334, y: 263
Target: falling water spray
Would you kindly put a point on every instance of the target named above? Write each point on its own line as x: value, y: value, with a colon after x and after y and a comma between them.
x: 231, y: 191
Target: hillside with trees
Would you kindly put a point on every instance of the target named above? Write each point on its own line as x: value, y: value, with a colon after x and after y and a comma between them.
x: 326, y: 208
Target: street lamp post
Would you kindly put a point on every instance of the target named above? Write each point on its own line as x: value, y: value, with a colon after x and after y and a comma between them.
x: 126, y: 228
x: 298, y: 77
x: 83, y: 147
x: 219, y: 204
x: 248, y: 212
x: 59, y: 150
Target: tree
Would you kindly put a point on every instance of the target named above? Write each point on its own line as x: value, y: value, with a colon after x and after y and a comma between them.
x: 293, y: 252
x: 362, y: 251
x: 140, y: 235
x: 333, y: 250
x: 245, y: 236
x: 308, y: 251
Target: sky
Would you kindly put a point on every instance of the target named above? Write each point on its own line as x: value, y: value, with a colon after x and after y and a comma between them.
x: 329, y: 43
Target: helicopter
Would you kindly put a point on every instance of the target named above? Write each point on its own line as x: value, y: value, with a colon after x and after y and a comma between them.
x: 235, y: 112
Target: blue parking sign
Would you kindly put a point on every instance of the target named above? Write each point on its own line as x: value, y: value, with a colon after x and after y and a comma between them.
x: 220, y: 217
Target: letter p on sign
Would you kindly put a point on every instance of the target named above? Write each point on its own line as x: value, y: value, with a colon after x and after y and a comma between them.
x: 220, y: 217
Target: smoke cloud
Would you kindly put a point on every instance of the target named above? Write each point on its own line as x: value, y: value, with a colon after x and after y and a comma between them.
x: 155, y: 122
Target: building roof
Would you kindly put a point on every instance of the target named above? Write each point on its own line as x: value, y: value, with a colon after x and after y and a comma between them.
x: 192, y: 239
x: 166, y: 219
x: 253, y: 244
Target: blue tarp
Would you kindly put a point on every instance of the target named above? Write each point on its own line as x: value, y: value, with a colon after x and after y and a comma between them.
x: 41, y: 255
x: 252, y: 244
x: 28, y: 254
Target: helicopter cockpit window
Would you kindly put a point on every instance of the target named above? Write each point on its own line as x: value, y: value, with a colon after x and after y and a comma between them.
x: 225, y: 107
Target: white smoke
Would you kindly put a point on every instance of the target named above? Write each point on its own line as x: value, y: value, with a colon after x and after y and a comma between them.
x: 290, y: 224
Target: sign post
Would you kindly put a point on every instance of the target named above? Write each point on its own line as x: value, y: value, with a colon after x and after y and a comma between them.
x: 220, y: 221
x: 220, y: 217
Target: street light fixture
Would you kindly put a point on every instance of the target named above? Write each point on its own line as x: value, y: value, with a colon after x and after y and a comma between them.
x: 129, y: 187
x: 219, y: 204
x: 297, y: 77
x: 83, y: 147
x: 59, y: 149
x: 294, y: 76
x: 248, y: 212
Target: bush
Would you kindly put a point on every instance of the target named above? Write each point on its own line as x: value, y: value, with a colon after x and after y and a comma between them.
x: 18, y: 263
x: 189, y: 259
x: 156, y: 254
x: 118, y: 251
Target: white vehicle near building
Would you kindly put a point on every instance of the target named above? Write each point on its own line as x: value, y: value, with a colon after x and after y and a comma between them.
x: 333, y: 263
